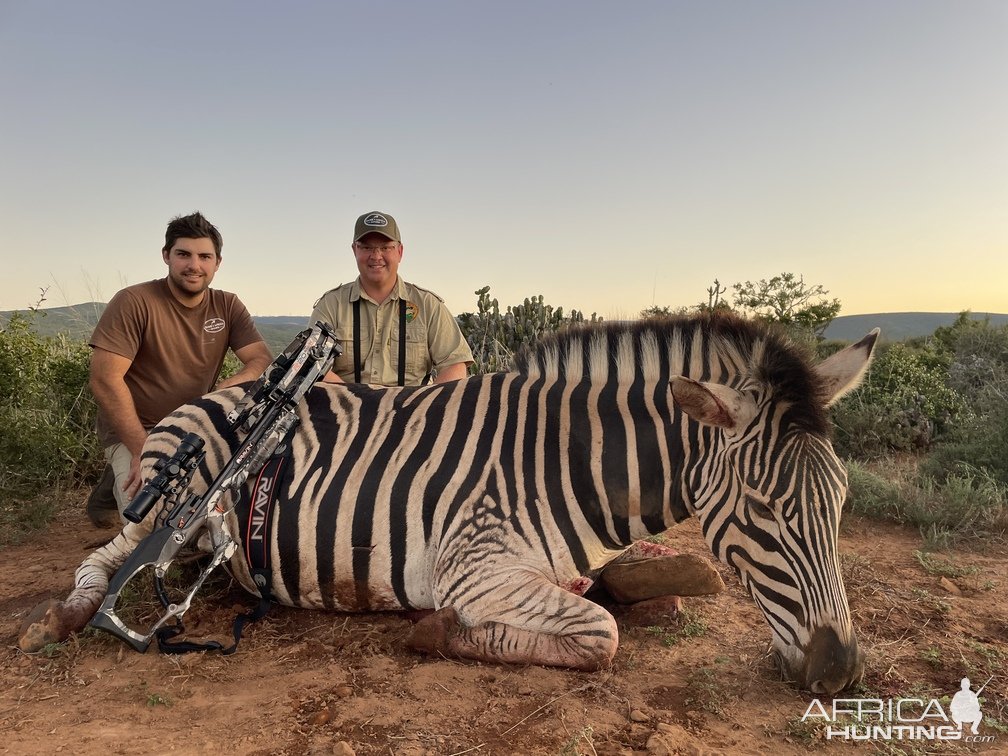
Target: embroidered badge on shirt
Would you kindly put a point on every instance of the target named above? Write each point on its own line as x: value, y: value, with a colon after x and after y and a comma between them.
x: 214, y: 325
x: 411, y: 312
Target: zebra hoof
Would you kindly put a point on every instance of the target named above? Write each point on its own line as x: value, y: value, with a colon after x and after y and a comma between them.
x: 45, y: 624
x: 630, y: 581
x: 432, y: 634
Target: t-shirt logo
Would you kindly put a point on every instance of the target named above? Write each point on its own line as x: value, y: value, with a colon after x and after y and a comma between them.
x: 214, y: 325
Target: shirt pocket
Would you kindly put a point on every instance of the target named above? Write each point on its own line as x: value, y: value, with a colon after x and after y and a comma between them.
x: 345, y: 362
x: 418, y: 362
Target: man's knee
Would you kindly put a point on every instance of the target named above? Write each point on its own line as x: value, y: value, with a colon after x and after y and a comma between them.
x: 119, y: 457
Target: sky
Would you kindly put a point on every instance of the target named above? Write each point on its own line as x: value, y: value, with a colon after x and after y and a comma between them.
x: 609, y: 156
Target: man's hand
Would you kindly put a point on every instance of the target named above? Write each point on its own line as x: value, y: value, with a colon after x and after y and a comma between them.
x: 133, y: 481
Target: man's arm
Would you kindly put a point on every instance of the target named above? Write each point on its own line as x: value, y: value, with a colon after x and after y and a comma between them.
x: 255, y: 358
x: 108, y: 385
x: 451, y: 373
x: 446, y: 344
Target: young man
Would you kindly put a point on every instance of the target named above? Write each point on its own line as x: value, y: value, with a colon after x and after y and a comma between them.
x: 392, y: 332
x: 161, y: 344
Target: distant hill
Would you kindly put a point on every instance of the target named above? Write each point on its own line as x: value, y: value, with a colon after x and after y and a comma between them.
x: 899, y: 326
x: 77, y: 321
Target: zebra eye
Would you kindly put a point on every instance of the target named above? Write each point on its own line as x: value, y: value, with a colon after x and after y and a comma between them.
x: 759, y: 505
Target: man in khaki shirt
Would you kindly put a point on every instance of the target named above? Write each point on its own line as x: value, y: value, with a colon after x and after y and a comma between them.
x: 386, y: 306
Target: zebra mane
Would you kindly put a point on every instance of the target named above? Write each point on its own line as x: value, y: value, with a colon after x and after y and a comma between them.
x: 718, y: 346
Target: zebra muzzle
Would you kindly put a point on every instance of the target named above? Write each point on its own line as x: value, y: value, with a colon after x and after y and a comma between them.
x: 830, y: 665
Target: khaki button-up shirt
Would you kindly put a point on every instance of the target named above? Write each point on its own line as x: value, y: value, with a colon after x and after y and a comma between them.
x: 433, y: 338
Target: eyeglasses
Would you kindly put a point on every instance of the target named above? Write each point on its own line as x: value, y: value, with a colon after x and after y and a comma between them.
x: 385, y: 249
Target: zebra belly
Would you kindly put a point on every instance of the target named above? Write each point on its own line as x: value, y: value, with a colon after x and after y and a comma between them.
x: 337, y: 578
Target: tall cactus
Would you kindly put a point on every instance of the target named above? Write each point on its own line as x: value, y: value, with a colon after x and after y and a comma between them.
x: 494, y: 337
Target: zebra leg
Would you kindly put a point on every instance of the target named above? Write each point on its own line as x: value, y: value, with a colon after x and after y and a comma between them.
x: 53, y: 621
x: 536, y: 623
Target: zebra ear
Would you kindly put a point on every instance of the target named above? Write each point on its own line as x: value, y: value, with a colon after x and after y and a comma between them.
x: 842, y: 372
x: 713, y: 403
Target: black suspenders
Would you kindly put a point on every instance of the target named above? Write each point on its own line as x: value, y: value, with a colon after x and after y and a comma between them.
x: 402, y: 342
x: 356, y: 341
x: 357, y: 344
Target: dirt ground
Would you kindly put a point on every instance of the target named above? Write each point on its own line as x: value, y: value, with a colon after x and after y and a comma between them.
x: 310, y: 682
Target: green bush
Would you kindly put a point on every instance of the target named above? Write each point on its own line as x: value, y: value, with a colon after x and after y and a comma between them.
x: 981, y: 442
x: 978, y: 371
x: 904, y: 404
x: 46, y: 412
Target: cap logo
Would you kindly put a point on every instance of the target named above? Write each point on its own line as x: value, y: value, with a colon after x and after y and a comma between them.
x: 376, y: 220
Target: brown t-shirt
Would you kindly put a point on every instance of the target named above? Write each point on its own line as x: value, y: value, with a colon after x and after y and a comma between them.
x: 177, y: 351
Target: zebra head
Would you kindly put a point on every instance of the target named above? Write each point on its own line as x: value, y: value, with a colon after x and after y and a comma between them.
x: 772, y: 509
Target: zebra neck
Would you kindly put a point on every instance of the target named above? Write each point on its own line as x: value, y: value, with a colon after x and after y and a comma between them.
x: 626, y: 456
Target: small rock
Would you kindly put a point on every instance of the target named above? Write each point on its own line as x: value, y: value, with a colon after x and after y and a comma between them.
x: 659, y: 744
x: 639, y: 716
x: 343, y: 748
x: 343, y: 691
x: 949, y: 586
x: 319, y: 718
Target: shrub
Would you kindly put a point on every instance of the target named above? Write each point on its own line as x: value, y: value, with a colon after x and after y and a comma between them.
x: 46, y: 411
x: 978, y: 371
x: 904, y: 404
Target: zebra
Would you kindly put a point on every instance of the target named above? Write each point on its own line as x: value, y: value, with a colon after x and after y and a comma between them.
x: 488, y: 499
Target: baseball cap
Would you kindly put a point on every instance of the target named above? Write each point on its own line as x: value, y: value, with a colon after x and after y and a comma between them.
x: 376, y: 222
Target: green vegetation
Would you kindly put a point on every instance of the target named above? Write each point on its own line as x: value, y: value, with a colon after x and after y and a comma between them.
x: 579, y: 743
x: 688, y: 624
x: 47, y: 416
x: 968, y: 504
x: 941, y: 404
x: 496, y: 336
x: 788, y: 300
x: 706, y: 691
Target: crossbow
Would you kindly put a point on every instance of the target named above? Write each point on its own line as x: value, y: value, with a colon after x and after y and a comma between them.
x: 265, y: 416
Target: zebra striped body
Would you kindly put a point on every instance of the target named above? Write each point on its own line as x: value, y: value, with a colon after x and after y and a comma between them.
x: 486, y: 498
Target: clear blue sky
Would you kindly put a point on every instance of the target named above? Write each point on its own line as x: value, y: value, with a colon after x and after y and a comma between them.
x: 608, y: 155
